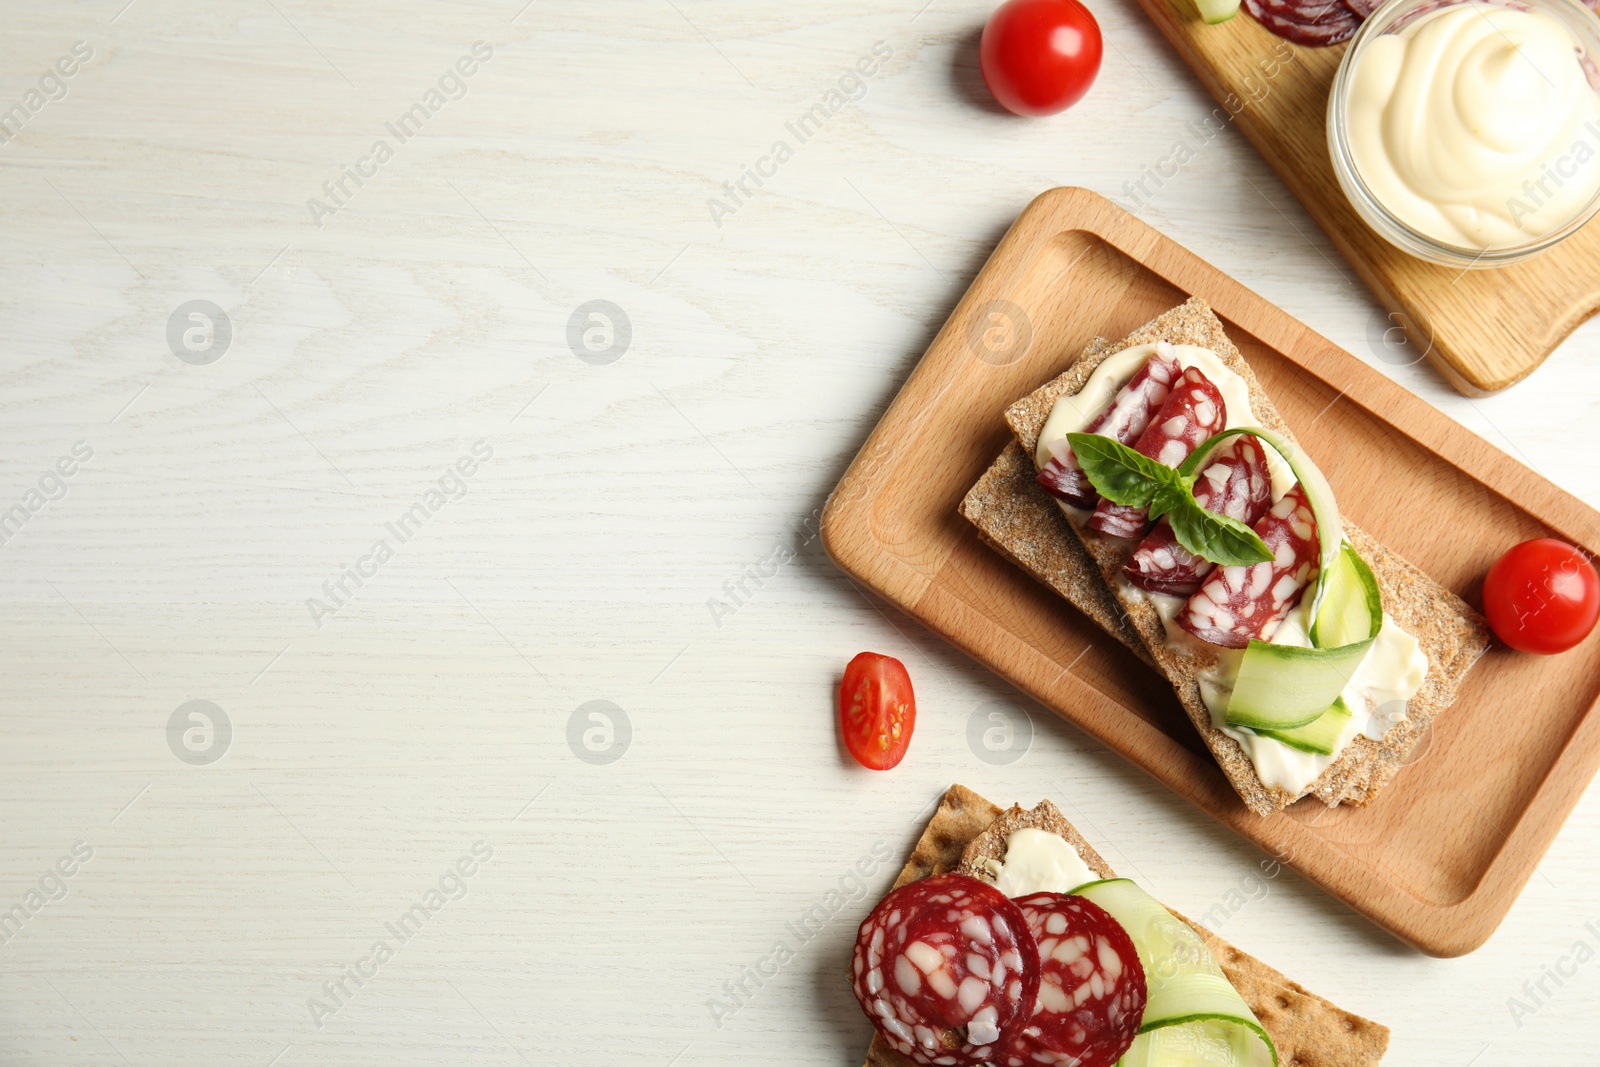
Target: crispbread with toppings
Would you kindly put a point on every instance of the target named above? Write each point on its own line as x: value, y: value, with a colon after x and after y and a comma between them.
x: 967, y: 829
x: 1019, y: 520
x: 1451, y: 634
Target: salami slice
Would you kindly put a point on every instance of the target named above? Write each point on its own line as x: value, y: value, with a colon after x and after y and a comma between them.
x: 942, y: 967
x: 1314, y: 23
x: 1235, y: 604
x: 1194, y: 410
x: 1124, y: 420
x: 1092, y: 989
x: 1236, y: 483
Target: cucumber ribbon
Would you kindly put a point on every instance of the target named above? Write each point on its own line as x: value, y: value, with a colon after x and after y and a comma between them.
x: 1320, y: 736
x: 1285, y: 689
x: 1193, y: 1017
x: 1279, y: 689
x: 1290, y: 693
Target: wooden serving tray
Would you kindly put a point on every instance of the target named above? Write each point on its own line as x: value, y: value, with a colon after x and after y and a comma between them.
x: 1483, y: 329
x: 1441, y: 854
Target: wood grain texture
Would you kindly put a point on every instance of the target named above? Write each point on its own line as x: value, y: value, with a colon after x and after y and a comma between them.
x: 1483, y: 329
x: 620, y: 500
x: 1517, y: 748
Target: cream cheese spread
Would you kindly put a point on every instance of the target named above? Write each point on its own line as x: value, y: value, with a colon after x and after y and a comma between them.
x: 1389, y: 676
x: 1038, y: 861
x: 1072, y: 414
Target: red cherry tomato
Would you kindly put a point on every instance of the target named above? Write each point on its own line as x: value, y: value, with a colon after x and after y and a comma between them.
x: 1040, y: 56
x: 1542, y: 596
x: 877, y: 710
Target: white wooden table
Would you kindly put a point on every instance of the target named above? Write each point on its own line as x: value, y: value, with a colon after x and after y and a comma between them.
x: 355, y: 351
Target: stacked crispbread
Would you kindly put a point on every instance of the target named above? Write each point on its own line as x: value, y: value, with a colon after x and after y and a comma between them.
x: 1023, y: 522
x: 966, y: 830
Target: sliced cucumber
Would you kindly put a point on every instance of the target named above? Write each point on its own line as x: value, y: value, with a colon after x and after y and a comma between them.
x: 1215, y: 11
x: 1320, y: 735
x: 1185, y: 985
x: 1201, y: 1043
x: 1167, y: 945
x: 1283, y: 687
x: 1352, y: 609
x: 1290, y: 693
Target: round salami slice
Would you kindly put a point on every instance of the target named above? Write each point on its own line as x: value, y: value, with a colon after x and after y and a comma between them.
x: 1236, y: 483
x: 1235, y: 604
x: 942, y: 967
x: 1313, y: 23
x: 1131, y: 410
x: 1092, y: 990
x: 1193, y: 412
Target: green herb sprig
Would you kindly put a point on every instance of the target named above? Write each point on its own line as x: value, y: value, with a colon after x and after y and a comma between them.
x: 1132, y: 479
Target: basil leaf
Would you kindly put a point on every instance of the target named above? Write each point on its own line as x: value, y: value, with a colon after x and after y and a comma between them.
x: 1132, y: 479
x: 1224, y: 541
x: 1118, y: 473
x: 1168, y: 499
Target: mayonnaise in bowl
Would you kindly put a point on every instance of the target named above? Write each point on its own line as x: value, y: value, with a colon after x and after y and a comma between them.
x: 1470, y: 132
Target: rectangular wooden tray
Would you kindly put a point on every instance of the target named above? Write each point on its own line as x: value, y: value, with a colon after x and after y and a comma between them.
x: 1440, y: 856
x: 1483, y: 329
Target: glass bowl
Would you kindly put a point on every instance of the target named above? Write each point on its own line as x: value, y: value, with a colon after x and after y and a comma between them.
x: 1391, y: 17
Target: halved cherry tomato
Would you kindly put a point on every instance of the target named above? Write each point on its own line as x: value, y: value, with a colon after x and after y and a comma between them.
x: 877, y: 710
x: 1040, y: 56
x: 1542, y: 596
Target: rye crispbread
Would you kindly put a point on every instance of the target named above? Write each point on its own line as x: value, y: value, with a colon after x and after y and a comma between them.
x: 1019, y: 520
x: 1307, y: 1030
x: 1451, y: 634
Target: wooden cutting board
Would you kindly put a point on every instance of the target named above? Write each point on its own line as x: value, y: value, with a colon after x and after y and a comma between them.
x: 1484, y: 329
x: 1441, y: 854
